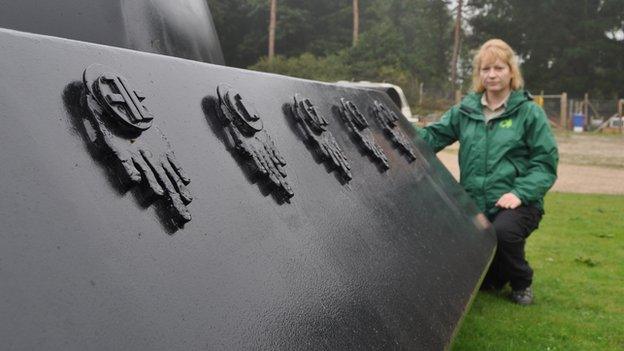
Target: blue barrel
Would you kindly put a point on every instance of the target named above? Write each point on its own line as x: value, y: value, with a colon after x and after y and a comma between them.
x: 578, y: 120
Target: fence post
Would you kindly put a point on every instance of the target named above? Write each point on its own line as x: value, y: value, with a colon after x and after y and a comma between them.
x: 564, y: 111
x: 620, y: 107
x: 574, y: 107
x: 458, y: 96
x: 586, y: 110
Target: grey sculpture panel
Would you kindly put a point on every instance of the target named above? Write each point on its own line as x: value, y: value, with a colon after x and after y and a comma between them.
x: 386, y: 259
x: 182, y: 28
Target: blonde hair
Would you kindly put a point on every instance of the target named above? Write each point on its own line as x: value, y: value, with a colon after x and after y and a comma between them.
x: 490, y: 51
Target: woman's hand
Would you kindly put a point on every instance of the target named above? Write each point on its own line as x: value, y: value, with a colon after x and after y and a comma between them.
x: 508, y: 200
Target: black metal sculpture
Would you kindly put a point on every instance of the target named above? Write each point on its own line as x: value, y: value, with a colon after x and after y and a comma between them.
x: 388, y: 122
x: 360, y: 130
x: 315, y: 128
x: 389, y: 260
x: 249, y: 139
x: 122, y: 128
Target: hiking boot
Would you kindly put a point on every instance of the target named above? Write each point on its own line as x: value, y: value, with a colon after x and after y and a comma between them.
x: 522, y: 297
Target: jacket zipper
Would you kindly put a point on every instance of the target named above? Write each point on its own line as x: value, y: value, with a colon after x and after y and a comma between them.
x: 485, y: 166
x: 469, y: 112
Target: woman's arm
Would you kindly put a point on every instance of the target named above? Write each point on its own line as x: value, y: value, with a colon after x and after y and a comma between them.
x: 543, y: 159
x: 442, y: 133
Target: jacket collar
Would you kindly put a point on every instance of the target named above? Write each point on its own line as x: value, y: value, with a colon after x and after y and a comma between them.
x: 471, y: 104
x: 503, y: 105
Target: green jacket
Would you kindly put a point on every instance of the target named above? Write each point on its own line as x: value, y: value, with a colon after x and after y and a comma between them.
x: 515, y: 152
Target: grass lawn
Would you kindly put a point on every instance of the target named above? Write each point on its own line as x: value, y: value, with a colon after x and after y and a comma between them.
x: 578, y: 258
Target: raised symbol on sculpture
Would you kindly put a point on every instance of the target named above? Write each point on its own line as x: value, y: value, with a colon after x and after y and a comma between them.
x: 359, y: 127
x: 315, y: 128
x: 123, y: 128
x: 250, y: 140
x: 387, y: 120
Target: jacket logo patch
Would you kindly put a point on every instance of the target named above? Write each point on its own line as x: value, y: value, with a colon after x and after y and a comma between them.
x: 506, y: 123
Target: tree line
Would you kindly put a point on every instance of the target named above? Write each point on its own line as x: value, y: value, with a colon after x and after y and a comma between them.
x: 564, y: 45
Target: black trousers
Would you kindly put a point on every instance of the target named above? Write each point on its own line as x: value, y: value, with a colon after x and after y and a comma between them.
x: 512, y: 227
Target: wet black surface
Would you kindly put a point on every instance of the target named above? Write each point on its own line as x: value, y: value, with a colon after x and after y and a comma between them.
x: 387, y: 260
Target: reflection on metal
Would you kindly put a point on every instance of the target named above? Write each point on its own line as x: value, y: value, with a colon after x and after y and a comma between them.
x: 181, y: 28
x: 387, y: 120
x: 122, y: 128
x: 360, y: 130
x: 315, y: 128
x: 250, y: 140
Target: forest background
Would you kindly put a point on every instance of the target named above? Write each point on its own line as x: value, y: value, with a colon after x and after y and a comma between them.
x: 576, y: 46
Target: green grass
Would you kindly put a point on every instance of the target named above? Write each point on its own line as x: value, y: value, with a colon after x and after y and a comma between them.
x: 578, y: 258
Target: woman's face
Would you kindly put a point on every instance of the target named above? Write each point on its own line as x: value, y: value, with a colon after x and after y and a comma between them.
x: 495, y: 76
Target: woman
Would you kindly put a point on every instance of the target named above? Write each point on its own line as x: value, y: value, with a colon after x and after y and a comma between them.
x: 507, y: 160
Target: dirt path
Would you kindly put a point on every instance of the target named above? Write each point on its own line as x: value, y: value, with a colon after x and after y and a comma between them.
x: 587, y: 165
